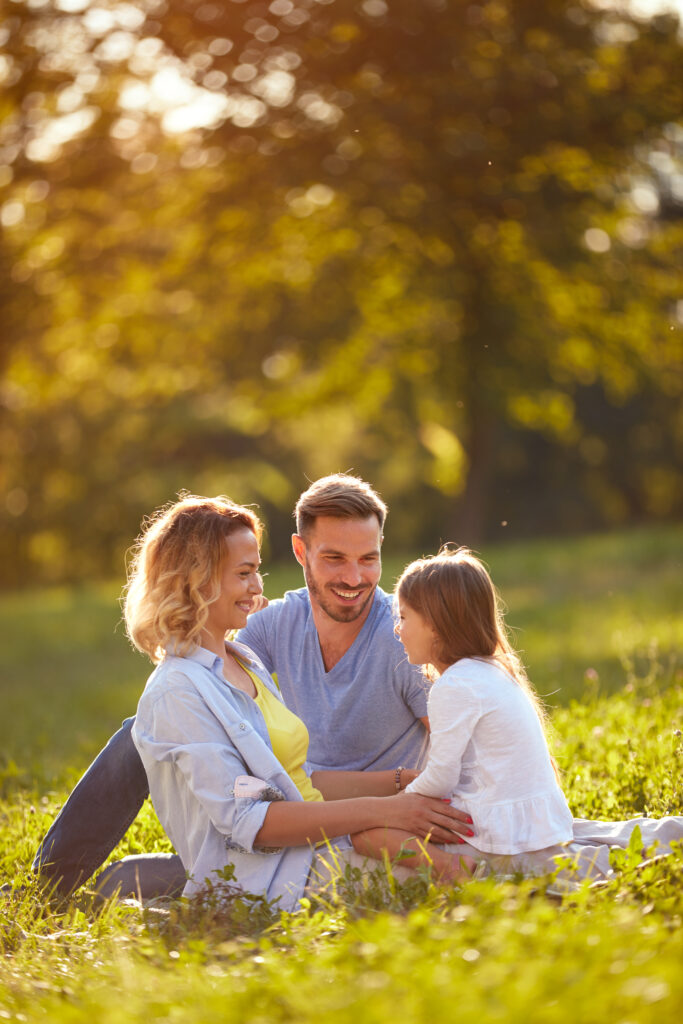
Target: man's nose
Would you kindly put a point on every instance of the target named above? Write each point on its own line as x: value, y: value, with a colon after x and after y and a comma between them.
x: 353, y: 573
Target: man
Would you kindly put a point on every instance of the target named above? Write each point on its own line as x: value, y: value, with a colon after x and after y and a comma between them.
x: 332, y: 649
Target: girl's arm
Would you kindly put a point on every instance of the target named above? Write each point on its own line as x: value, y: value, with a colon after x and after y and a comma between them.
x: 344, y: 785
x: 294, y: 824
x: 453, y: 713
x: 413, y: 853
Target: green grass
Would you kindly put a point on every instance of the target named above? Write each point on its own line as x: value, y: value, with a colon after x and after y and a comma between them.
x: 491, y: 952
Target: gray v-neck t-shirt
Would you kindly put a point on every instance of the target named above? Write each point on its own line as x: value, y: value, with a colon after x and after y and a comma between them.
x: 365, y: 712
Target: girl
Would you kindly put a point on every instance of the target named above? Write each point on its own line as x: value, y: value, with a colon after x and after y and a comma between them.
x: 488, y: 749
x: 210, y: 715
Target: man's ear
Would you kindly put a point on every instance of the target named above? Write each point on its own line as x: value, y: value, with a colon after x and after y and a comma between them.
x: 299, y: 548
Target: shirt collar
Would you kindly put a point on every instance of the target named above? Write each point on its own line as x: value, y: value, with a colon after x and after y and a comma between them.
x: 202, y: 656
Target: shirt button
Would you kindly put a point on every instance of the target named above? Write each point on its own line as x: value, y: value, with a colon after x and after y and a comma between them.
x: 242, y: 725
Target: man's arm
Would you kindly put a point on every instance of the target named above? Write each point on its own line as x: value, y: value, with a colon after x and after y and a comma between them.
x: 341, y: 785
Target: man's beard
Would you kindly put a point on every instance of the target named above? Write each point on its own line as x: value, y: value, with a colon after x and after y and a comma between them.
x: 337, y: 612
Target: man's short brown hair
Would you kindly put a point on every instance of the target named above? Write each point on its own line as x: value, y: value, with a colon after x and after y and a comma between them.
x: 341, y: 496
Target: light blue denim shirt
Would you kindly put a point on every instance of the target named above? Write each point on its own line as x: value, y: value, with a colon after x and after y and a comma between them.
x: 196, y: 733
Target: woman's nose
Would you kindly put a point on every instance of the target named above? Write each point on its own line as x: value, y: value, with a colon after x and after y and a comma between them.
x: 256, y: 584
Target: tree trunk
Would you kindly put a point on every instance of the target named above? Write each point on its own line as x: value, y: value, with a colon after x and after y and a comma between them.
x: 471, y: 511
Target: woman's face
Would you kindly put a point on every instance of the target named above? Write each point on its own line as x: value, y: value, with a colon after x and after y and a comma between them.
x: 240, y: 583
x: 416, y: 635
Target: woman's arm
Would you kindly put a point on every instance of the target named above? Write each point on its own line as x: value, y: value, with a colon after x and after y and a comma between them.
x: 294, y: 824
x: 346, y: 785
x: 175, y: 725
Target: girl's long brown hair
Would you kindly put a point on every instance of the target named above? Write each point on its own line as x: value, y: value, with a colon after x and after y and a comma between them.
x: 454, y: 593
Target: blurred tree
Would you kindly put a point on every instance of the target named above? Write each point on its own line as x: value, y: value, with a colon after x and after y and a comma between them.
x: 489, y: 167
x: 119, y: 343
x: 407, y: 239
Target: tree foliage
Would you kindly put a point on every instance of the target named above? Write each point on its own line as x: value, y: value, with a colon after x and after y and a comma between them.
x: 423, y: 240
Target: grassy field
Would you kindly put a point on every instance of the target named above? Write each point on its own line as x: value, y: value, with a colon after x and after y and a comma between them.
x: 598, y: 620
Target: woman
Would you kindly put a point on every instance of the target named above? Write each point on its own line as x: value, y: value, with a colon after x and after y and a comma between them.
x: 210, y: 714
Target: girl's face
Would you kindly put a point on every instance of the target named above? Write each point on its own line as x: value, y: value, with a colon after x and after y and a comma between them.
x: 416, y: 635
x: 240, y: 583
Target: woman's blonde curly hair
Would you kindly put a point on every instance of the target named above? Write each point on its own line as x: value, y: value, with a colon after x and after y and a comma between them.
x: 174, y: 572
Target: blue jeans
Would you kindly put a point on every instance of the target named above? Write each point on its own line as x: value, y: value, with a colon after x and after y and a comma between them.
x: 98, y: 813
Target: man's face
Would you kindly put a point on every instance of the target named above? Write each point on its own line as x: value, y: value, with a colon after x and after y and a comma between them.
x: 342, y: 564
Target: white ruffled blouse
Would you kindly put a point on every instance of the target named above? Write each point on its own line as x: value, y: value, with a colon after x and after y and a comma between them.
x: 488, y: 754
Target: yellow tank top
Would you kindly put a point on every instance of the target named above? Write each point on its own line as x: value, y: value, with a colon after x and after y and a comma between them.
x: 288, y: 737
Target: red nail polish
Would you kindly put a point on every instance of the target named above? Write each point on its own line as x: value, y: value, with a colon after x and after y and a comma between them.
x: 470, y: 820
x: 470, y: 832
x: 460, y: 840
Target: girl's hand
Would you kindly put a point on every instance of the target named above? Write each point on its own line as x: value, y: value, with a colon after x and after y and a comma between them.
x: 424, y: 816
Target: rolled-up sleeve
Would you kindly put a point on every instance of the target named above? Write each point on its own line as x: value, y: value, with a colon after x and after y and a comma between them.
x: 177, y: 728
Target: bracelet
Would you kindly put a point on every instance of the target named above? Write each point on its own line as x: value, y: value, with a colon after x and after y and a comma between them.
x: 397, y: 778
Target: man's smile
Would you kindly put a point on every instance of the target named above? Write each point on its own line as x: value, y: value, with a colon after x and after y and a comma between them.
x: 348, y: 595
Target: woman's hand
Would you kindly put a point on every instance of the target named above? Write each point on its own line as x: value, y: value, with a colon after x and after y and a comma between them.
x: 424, y: 816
